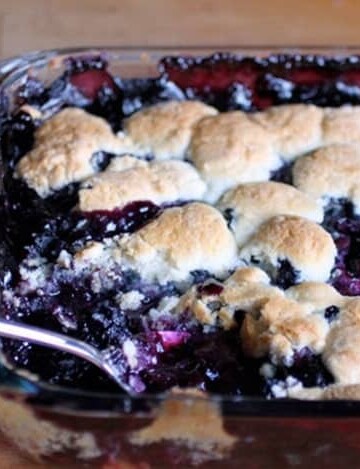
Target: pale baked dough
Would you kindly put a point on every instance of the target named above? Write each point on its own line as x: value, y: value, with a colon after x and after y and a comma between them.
x: 63, y: 150
x: 164, y: 130
x: 341, y: 125
x: 275, y: 322
x: 306, y: 245
x: 253, y: 203
x: 332, y: 171
x: 296, y: 128
x: 157, y: 181
x: 342, y: 350
x: 181, y: 240
x: 229, y: 149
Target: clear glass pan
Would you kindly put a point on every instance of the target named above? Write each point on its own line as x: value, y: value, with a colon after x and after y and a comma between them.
x: 73, y: 429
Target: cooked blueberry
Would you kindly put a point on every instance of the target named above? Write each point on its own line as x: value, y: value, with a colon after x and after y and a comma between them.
x: 107, y: 102
x: 239, y: 317
x: 199, y: 276
x: 82, y: 63
x: 239, y: 97
x: 229, y: 216
x: 17, y: 137
x: 283, y: 174
x: 255, y: 260
x: 279, y: 89
x: 307, y: 368
x: 33, y: 91
x: 286, y: 275
x: 331, y: 313
x: 100, y: 160
x: 63, y: 93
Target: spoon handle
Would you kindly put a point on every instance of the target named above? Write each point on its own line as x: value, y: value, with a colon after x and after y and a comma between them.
x: 18, y: 331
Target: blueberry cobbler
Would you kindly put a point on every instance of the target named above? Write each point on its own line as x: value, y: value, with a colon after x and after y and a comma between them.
x: 203, y: 227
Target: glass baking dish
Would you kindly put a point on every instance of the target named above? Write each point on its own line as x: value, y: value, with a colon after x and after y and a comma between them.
x: 66, y: 428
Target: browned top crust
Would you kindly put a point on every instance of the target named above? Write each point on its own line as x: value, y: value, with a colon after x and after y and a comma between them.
x: 256, y: 202
x: 63, y: 150
x: 342, y: 349
x: 229, y: 149
x: 308, y: 247
x: 319, y: 295
x: 158, y: 181
x: 164, y: 130
x: 332, y: 171
x: 296, y: 128
x: 178, y: 242
x: 341, y: 125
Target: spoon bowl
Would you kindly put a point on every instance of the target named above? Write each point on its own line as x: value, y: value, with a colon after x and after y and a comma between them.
x: 54, y: 340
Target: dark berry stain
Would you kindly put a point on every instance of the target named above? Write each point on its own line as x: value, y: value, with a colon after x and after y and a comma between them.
x: 331, y: 313
x: 210, y: 289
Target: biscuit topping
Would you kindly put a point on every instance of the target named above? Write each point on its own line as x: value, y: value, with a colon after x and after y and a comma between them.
x: 332, y: 171
x: 308, y: 248
x: 158, y: 182
x: 178, y: 242
x: 272, y: 322
x: 63, y: 150
x: 164, y: 130
x: 342, y: 349
x: 252, y: 204
x: 229, y: 149
x: 296, y: 128
x: 341, y: 125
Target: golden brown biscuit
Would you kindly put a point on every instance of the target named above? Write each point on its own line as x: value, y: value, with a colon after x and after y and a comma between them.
x: 253, y: 203
x: 179, y: 241
x: 308, y: 247
x: 332, y: 171
x: 319, y: 295
x: 164, y: 130
x: 341, y: 125
x: 280, y: 327
x: 229, y: 149
x: 296, y: 128
x: 216, y: 303
x: 158, y: 181
x: 273, y: 323
x: 63, y: 150
x: 342, y: 351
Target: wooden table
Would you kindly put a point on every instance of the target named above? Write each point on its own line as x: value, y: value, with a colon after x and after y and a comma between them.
x: 36, y: 24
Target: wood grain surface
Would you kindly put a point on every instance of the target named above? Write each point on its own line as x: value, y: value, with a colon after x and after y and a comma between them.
x: 36, y: 24
x: 41, y: 24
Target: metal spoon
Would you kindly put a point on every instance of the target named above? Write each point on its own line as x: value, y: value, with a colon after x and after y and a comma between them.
x: 102, y: 360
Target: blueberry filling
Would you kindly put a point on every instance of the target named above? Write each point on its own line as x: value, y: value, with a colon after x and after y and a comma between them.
x: 307, y: 369
x: 286, y: 275
x: 344, y: 226
x: 331, y: 313
x: 229, y: 216
x: 169, y: 349
x: 283, y: 174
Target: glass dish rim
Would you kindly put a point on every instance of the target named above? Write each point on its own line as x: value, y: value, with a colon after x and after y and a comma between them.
x: 62, y: 399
